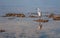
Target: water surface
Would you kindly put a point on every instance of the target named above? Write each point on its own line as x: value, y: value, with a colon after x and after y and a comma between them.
x: 27, y: 28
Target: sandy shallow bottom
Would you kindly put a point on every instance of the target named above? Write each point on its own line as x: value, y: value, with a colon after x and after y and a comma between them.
x: 27, y: 28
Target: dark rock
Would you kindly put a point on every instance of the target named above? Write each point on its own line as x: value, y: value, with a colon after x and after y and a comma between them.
x: 41, y: 20
x: 56, y: 18
x: 14, y: 15
x: 2, y: 30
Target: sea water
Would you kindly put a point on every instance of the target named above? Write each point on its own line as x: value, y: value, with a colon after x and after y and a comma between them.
x: 27, y: 28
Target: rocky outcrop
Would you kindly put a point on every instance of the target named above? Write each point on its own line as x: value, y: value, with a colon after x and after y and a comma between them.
x: 41, y: 20
x: 56, y: 18
x: 14, y: 15
x: 2, y: 30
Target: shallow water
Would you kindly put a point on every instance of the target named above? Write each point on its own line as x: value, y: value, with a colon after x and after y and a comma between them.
x: 27, y: 28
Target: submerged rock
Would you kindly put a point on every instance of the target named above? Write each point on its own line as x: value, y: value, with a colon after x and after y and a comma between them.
x: 51, y: 15
x: 2, y: 30
x: 33, y: 16
x: 41, y: 20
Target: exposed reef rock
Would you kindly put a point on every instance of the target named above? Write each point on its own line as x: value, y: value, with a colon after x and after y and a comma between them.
x: 41, y: 20
x: 2, y: 30
x: 14, y: 15
x: 56, y: 18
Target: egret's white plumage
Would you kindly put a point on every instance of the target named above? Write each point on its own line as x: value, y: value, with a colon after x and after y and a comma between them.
x: 39, y: 12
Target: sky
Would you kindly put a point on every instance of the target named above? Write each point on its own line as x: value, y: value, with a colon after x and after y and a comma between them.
x: 29, y: 5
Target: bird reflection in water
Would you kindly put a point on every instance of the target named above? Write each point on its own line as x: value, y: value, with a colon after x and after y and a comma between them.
x: 40, y: 26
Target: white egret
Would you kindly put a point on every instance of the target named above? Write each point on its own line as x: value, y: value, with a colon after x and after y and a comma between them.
x: 39, y: 15
x: 39, y: 12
